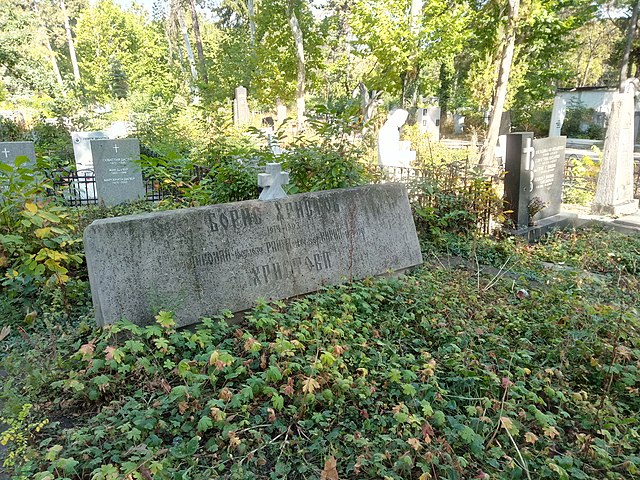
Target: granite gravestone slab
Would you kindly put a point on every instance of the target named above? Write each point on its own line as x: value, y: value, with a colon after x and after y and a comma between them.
x: 117, y: 172
x: 534, y: 174
x: 200, y: 261
x: 241, y: 114
x: 82, y: 149
x: 9, y: 151
x: 84, y: 188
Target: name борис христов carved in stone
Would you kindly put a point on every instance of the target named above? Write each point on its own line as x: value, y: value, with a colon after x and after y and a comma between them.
x: 198, y: 262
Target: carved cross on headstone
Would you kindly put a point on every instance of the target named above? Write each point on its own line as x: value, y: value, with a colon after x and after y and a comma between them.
x: 6, y: 152
x: 529, y: 153
x: 115, y: 147
x: 272, y: 182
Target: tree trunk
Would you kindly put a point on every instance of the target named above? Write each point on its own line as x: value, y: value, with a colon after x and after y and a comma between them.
x: 416, y: 14
x: 297, y: 36
x: 196, y: 33
x: 631, y: 32
x: 47, y: 43
x: 187, y: 43
x: 487, y: 156
x: 410, y: 79
x: 54, y: 63
x: 252, y: 21
x: 72, y: 49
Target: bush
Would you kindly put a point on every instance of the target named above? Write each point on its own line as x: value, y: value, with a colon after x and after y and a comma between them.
x: 38, y: 240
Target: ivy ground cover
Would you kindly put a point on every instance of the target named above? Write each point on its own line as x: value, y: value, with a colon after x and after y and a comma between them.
x: 448, y: 373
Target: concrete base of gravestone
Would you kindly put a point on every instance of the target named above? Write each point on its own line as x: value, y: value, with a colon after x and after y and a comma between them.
x: 198, y: 262
x: 626, y: 208
x: 534, y: 232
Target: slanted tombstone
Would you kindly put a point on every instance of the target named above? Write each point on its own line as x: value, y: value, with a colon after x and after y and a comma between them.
x: 241, y: 115
x: 614, y: 191
x: 198, y: 262
x: 117, y: 171
x: 533, y: 180
x: 391, y: 151
x: 429, y: 122
x: 9, y: 151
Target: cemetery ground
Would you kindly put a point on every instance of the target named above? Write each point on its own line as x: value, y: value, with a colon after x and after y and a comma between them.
x: 494, y: 359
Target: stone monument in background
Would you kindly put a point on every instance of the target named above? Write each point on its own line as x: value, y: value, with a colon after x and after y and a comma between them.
x: 117, y: 171
x: 391, y: 151
x: 614, y: 193
x: 9, y: 151
x: 241, y: 114
x: 533, y: 179
x: 281, y: 111
x: 429, y: 122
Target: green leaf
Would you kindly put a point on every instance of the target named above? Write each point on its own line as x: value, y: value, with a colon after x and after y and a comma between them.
x: 66, y: 464
x: 205, y: 423
x: 273, y: 374
x: 134, y: 346
x: 53, y: 452
x: 277, y: 401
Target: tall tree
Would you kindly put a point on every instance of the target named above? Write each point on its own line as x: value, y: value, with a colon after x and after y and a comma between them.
x: 72, y: 48
x: 302, y: 72
x: 47, y: 43
x: 625, y: 67
x: 121, y: 52
x: 177, y: 15
x: 198, y: 37
x: 507, y: 49
x: 408, y: 41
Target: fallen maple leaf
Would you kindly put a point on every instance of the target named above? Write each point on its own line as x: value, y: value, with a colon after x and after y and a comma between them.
x: 87, y: 349
x: 109, y: 353
x: 415, y: 443
x: 530, y: 437
x: 330, y: 472
x: 310, y: 385
x: 507, y: 423
x: 4, y: 333
x: 551, y: 432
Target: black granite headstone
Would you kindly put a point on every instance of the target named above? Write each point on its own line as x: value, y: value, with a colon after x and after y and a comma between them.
x: 534, y: 176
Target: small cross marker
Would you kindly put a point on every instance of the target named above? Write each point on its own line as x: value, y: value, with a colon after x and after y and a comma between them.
x: 6, y: 152
x: 272, y: 182
x: 115, y: 147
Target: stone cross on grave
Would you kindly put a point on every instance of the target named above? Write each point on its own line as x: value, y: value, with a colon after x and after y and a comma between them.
x: 272, y: 182
x: 6, y: 152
